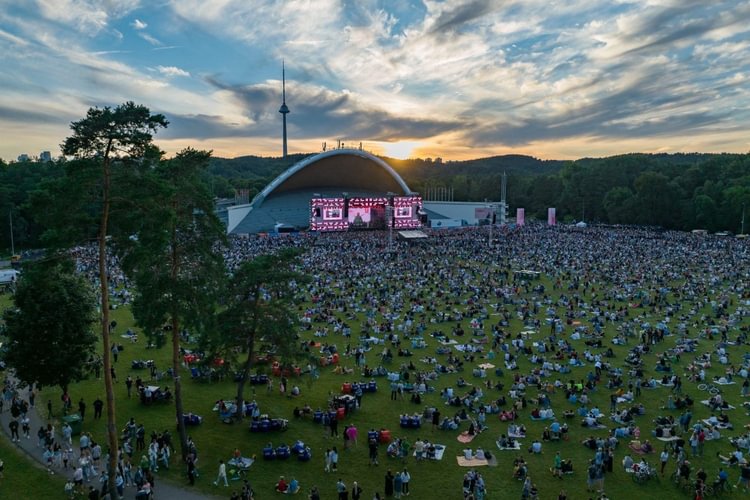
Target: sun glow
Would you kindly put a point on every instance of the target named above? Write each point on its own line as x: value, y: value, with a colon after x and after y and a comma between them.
x: 400, y: 150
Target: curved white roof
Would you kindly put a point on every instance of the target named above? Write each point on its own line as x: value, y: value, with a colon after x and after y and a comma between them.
x: 310, y: 160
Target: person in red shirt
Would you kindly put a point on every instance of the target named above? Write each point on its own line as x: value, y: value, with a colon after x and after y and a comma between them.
x: 281, y: 486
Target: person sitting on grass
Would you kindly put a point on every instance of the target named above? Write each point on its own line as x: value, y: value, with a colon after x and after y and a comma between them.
x: 644, y: 447
x: 734, y: 458
x: 282, y: 485
x: 536, y: 447
x: 293, y: 487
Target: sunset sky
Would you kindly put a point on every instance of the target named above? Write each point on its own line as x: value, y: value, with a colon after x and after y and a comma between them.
x: 457, y: 79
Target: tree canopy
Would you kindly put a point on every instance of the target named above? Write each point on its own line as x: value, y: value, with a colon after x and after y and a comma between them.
x: 260, y: 314
x: 170, y: 253
x: 49, y: 327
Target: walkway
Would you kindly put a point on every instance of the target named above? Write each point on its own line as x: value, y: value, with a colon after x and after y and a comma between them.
x: 163, y: 490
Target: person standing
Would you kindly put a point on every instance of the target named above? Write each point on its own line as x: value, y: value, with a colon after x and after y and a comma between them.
x: 222, y: 474
x: 334, y: 424
x: 26, y: 426
x: 82, y: 408
x: 49, y: 409
x: 358, y: 395
x: 557, y: 466
x: 664, y: 458
x: 98, y: 406
x: 129, y: 385
x: 14, y: 431
x: 341, y: 490
x: 435, y: 419
x: 334, y: 459
x: 327, y: 457
x: 591, y: 476
x: 356, y: 491
x: 351, y: 434
x: 405, y: 478
x: 373, y: 447
x: 191, y: 470
x: 389, y: 483
x: 397, y: 485
x: 140, y: 436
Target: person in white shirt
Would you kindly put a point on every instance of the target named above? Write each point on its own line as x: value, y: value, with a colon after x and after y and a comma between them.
x: 405, y: 478
x: 222, y: 474
x: 664, y: 458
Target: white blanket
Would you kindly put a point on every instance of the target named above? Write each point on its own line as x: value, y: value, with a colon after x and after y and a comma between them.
x: 515, y: 448
x: 439, y: 450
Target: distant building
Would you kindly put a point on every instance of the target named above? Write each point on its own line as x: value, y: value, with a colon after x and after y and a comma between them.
x: 23, y: 157
x: 45, y: 156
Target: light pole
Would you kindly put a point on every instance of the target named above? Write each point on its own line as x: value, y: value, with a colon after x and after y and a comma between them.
x: 742, y: 231
x: 489, y: 242
x: 389, y: 221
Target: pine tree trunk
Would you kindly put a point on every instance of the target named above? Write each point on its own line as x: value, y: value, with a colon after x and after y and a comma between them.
x: 106, y: 344
x: 243, y: 379
x: 181, y: 431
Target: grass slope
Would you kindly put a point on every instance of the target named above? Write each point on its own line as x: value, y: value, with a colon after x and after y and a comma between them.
x: 216, y: 440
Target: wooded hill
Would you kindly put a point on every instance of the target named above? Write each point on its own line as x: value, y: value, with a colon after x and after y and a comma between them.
x: 676, y: 191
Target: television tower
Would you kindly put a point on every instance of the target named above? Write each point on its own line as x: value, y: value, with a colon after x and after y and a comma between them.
x: 284, y: 110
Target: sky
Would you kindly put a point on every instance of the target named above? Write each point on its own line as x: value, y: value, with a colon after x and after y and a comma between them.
x: 455, y: 79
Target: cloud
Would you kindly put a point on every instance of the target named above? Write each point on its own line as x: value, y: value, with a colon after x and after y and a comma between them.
x: 315, y: 112
x: 139, y: 25
x: 86, y: 16
x: 464, y: 12
x: 492, y: 75
x: 150, y: 39
x: 172, y: 71
x: 13, y: 38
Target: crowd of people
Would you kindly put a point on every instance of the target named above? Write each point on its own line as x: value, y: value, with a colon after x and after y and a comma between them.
x: 662, y: 295
x: 621, y: 318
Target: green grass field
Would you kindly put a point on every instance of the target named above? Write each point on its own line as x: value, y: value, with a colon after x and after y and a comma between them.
x: 216, y: 440
x: 22, y: 479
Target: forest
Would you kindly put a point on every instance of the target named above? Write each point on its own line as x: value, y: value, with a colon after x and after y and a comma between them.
x: 673, y: 191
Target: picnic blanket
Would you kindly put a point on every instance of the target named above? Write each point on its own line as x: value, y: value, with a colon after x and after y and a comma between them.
x: 467, y: 348
x: 516, y: 436
x: 465, y: 437
x: 474, y: 462
x: 707, y: 402
x: 505, y: 448
x: 542, y: 418
x: 724, y: 383
x: 668, y: 439
x: 243, y: 463
x: 439, y: 451
x: 599, y: 427
x: 487, y: 366
x: 718, y: 425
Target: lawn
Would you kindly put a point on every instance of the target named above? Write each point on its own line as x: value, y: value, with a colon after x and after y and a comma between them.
x: 24, y: 480
x: 216, y: 440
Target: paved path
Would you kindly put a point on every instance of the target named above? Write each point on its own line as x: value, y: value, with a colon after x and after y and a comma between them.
x: 163, y: 490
